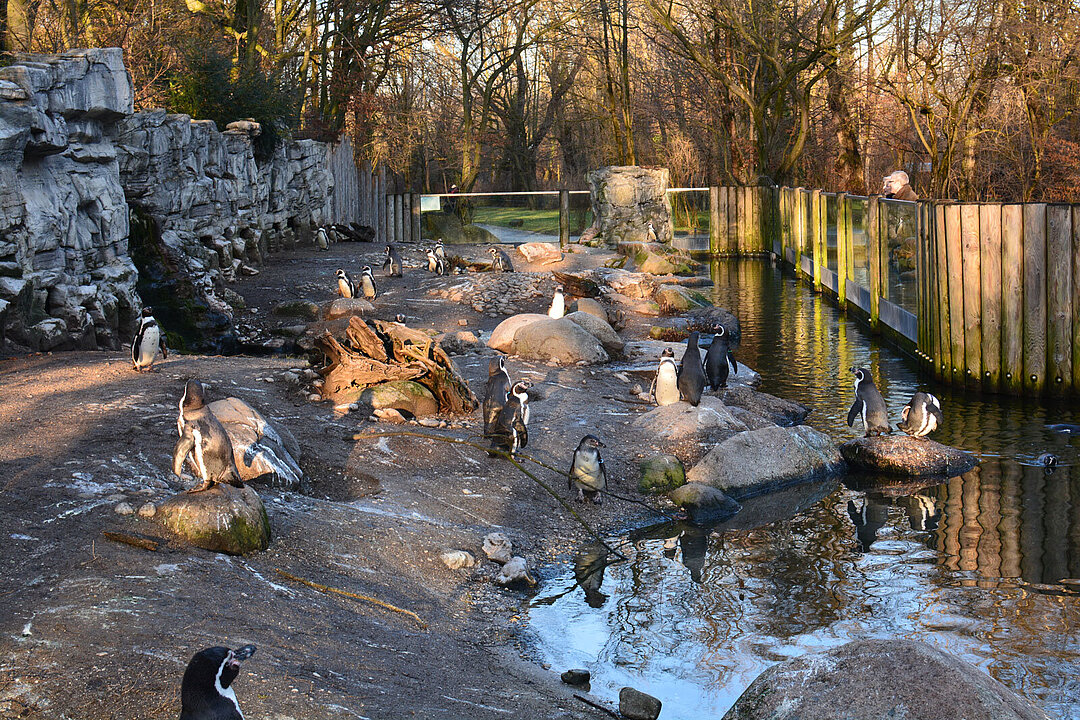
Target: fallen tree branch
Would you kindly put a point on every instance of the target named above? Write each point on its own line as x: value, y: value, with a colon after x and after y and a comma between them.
x: 598, y: 706
x: 365, y: 598
x: 133, y: 540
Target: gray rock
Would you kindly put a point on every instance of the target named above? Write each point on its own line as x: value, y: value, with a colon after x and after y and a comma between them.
x: 502, y: 337
x: 401, y: 395
x: 302, y: 309
x: 686, y: 431
x: 593, y: 307
x: 577, y: 677
x: 600, y: 330
x: 124, y: 509
x: 704, y: 504
x: 561, y: 340
x: 147, y: 510
x: 541, y: 252
x: 458, y: 343
x: 345, y: 307
x: 776, y: 410
x: 515, y: 570
x: 625, y: 199
x: 677, y: 299
x: 660, y: 474
x: 498, y: 548
x: 906, y: 455
x: 759, y: 460
x: 261, y: 449
x: 457, y: 559
x: 636, y: 705
x: 872, y: 679
x: 707, y: 320
x: 223, y: 519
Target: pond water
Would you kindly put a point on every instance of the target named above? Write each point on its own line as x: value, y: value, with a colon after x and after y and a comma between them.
x: 984, y: 566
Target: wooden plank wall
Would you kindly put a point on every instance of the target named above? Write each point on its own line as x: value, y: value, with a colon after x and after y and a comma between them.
x: 345, y: 197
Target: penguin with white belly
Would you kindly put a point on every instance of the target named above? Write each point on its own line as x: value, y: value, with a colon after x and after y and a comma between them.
x: 203, y: 438
x: 367, y: 284
x: 345, y: 286
x: 148, y: 342
x: 558, y: 304
x: 665, y: 384
x: 587, y: 472
x: 869, y: 405
x: 206, y: 691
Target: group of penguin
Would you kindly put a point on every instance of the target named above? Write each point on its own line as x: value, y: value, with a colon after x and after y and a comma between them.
x: 919, y: 418
x: 687, y: 380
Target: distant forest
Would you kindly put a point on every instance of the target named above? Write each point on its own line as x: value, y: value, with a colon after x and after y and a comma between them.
x: 975, y: 99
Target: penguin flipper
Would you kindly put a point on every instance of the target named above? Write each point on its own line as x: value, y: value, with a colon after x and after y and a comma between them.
x: 734, y: 365
x: 855, y: 411
x: 183, y: 446
x: 164, y: 347
x: 522, y: 432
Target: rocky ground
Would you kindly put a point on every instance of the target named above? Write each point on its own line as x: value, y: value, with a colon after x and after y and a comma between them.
x: 90, y: 628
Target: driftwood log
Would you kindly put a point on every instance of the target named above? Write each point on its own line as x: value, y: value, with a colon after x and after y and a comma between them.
x: 576, y: 285
x: 388, y: 352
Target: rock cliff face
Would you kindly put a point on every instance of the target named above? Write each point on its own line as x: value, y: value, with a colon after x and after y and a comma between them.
x: 625, y: 199
x: 74, y: 158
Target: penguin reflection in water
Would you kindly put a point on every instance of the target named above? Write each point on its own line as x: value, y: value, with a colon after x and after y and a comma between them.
x: 869, y: 405
x: 148, y: 342
x: 587, y: 472
x: 206, y: 691
x: 510, y: 432
x: 204, y: 440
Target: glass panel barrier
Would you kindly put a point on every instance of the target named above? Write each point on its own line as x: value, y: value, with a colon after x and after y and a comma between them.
x: 900, y: 225
x: 690, y: 218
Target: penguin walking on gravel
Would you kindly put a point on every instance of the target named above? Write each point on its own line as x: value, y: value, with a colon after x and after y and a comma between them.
x: 203, y: 438
x: 495, y: 391
x: 587, y: 472
x: 869, y: 405
x: 435, y: 264
x: 322, y: 239
x: 393, y: 261
x: 921, y: 416
x: 148, y: 342
x: 510, y: 431
x: 345, y: 286
x: 691, y: 380
x: 665, y: 384
x: 206, y: 691
x: 558, y: 304
x: 367, y: 284
x: 717, y: 359
x: 439, y: 251
x: 500, y: 261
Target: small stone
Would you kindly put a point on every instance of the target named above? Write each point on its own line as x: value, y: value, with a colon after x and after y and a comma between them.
x: 623, y: 376
x: 457, y: 559
x: 314, y: 397
x: 148, y: 510
x: 463, y: 322
x: 636, y: 705
x: 515, y: 569
x: 290, y: 377
x: 636, y: 390
x: 576, y: 677
x: 498, y: 547
x: 389, y: 415
x: 354, y: 407
x: 124, y: 509
x: 429, y: 422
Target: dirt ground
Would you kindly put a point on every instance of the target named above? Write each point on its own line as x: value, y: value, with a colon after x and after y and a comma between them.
x: 90, y: 628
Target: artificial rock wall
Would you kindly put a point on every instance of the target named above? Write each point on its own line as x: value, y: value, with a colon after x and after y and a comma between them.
x: 74, y: 157
x: 625, y: 199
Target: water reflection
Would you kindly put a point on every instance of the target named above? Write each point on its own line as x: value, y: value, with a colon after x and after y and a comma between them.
x: 973, y: 564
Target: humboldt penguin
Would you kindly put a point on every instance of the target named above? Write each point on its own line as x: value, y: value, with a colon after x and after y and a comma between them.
x: 691, y: 374
x: 921, y: 416
x: 345, y: 286
x: 367, y: 284
x: 148, y: 342
x: 206, y: 691
x: 322, y: 239
x: 650, y: 232
x: 439, y: 251
x: 869, y: 405
x: 717, y: 359
x: 495, y: 392
x: 587, y: 473
x: 393, y: 261
x: 558, y: 304
x: 510, y: 431
x: 205, y: 440
x: 665, y: 386
x: 435, y: 264
x: 1048, y: 460
x: 500, y: 261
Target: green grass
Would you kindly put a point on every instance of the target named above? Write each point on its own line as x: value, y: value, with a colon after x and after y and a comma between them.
x: 538, y: 221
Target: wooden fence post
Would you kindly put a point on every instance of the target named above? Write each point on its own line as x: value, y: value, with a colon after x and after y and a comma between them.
x: 564, y: 219
x: 941, y: 280
x: 388, y: 220
x: 733, y: 222
x: 714, y: 219
x: 415, y: 205
x: 406, y: 217
x: 1059, y: 309
x: 874, y: 250
x: 990, y: 268
x: 380, y: 206
x: 954, y: 256
x: 815, y: 230
x: 1012, y: 306
x: 969, y: 233
x: 1034, y: 298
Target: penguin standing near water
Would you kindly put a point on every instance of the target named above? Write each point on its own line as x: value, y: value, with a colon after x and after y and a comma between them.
x: 921, y: 416
x: 206, y: 691
x: 500, y: 261
x: 205, y: 440
x: 393, y: 261
x: 495, y: 392
x: 558, y: 303
x: 869, y: 405
x: 345, y: 286
x: 665, y: 384
x: 510, y: 432
x: 367, y: 284
x: 587, y: 473
x: 148, y: 342
x: 717, y: 359
x: 691, y: 374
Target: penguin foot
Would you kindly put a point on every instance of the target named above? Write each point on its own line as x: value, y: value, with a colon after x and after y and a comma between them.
x: 598, y: 499
x: 206, y: 485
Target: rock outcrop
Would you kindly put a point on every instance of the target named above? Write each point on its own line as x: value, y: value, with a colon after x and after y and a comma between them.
x: 905, y: 455
x: 224, y: 519
x: 625, y: 199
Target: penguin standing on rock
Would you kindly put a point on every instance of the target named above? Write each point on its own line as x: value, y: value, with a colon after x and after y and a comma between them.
x: 869, y: 405
x: 921, y: 416
x: 665, y: 384
x: 717, y: 359
x: 393, y: 261
x: 496, y: 390
x: 203, y: 439
x: 558, y: 304
x: 148, y: 342
x: 691, y: 374
x: 367, y: 284
x: 345, y: 286
x: 510, y: 431
x: 206, y: 691
x: 500, y: 261
x: 587, y: 473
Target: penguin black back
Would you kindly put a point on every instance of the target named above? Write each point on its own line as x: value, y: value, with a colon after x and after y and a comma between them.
x: 691, y: 374
x: 717, y: 359
x: 206, y: 691
x: 510, y: 431
x: 496, y: 390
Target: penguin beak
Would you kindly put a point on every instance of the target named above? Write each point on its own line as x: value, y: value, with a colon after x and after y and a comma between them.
x: 600, y: 444
x: 239, y: 655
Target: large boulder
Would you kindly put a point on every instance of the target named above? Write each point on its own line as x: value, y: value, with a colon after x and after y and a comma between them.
x: 760, y: 460
x: 703, y: 503
x: 540, y: 252
x: 588, y: 305
x: 657, y: 259
x: 660, y: 473
x: 561, y: 340
x: 879, y: 679
x: 676, y: 298
x: 686, y: 431
x: 502, y: 337
x: 346, y: 307
x: 774, y: 409
x: 224, y: 519
x: 401, y: 395
x: 906, y: 455
x: 260, y: 449
x: 600, y: 330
